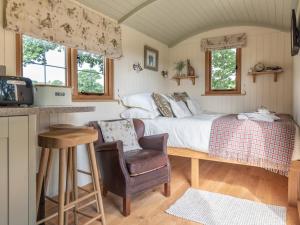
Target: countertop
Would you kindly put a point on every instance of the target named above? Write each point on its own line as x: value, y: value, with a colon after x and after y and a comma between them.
x: 21, y: 111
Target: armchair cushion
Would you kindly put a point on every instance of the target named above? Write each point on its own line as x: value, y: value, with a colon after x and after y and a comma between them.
x: 142, y: 161
x: 120, y: 130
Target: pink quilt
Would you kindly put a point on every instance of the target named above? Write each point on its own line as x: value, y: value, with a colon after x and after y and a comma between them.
x: 268, y: 145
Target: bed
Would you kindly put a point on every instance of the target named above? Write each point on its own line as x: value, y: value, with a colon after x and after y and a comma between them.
x: 190, y: 137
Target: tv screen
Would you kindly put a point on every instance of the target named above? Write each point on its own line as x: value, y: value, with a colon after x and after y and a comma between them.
x: 294, y: 35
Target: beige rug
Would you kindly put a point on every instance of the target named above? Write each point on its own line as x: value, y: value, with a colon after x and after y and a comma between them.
x: 209, y: 208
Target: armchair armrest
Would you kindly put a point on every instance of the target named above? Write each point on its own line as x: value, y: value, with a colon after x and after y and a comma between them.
x: 156, y: 142
x: 111, y: 162
x: 110, y: 146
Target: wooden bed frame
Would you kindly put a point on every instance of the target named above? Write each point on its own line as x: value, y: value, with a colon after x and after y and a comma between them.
x: 196, y: 156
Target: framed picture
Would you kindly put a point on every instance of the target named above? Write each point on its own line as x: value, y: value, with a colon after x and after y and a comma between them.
x: 150, y: 58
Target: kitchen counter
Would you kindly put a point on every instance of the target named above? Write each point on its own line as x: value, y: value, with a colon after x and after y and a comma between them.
x: 21, y: 111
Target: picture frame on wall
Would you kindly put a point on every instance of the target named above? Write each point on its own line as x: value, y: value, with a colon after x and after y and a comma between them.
x: 150, y: 58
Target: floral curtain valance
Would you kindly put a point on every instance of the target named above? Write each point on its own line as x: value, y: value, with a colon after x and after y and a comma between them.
x: 65, y: 22
x: 224, y: 42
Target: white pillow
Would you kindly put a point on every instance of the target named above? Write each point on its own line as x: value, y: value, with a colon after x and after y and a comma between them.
x: 179, y: 109
x: 194, y: 107
x: 137, y: 113
x: 122, y: 130
x: 142, y: 100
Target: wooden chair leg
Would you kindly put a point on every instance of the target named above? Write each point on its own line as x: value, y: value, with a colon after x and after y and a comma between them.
x: 167, y: 189
x: 93, y: 179
x: 68, y: 182
x: 126, y: 206
x: 41, y: 176
x: 97, y: 181
x: 61, y: 188
x: 49, y: 170
x: 104, y: 191
x: 75, y: 188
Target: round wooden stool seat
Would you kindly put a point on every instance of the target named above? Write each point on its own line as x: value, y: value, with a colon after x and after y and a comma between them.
x: 67, y: 138
x: 67, y: 127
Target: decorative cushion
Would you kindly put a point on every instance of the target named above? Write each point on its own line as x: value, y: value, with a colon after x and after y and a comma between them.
x: 194, y: 107
x: 136, y: 113
x: 181, y: 96
x: 180, y: 109
x: 122, y: 130
x: 142, y: 100
x: 143, y: 161
x: 163, y: 105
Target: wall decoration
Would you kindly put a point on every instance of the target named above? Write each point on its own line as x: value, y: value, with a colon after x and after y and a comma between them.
x: 262, y: 69
x: 179, y: 66
x: 137, y: 67
x: 165, y: 73
x: 66, y: 23
x: 190, y: 69
x: 224, y: 42
x: 150, y: 58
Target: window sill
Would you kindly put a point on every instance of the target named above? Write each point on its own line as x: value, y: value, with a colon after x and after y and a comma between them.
x: 93, y: 98
x: 224, y: 94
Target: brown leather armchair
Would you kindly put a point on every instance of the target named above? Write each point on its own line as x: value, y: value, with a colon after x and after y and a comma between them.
x: 127, y: 173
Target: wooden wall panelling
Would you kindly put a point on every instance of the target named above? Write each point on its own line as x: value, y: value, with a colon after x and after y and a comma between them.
x: 4, y: 171
x: 32, y: 150
x: 264, y: 45
x: 18, y: 170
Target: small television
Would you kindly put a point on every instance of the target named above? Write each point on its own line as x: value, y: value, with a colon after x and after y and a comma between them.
x: 294, y: 35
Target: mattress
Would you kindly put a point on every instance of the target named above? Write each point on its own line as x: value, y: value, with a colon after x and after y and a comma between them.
x: 193, y: 132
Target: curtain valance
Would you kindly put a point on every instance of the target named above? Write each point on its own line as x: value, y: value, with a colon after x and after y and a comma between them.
x: 65, y: 22
x: 224, y: 42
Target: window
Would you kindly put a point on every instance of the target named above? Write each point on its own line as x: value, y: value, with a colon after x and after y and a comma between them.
x: 44, y: 62
x: 90, y: 75
x: 93, y: 76
x: 223, y: 72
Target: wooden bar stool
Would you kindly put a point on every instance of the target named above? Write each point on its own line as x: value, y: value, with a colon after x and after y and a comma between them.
x: 66, y: 140
x: 72, y: 169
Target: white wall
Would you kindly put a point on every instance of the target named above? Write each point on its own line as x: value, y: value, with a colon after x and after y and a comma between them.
x: 296, y: 93
x: 127, y: 81
x: 296, y: 83
x: 264, y: 45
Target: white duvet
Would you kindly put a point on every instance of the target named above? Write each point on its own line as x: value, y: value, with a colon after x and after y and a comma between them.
x: 189, y: 132
x: 194, y: 132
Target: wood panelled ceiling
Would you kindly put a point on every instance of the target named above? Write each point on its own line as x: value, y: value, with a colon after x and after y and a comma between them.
x: 171, y: 21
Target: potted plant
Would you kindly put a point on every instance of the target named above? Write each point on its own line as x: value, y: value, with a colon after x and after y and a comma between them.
x: 179, y: 66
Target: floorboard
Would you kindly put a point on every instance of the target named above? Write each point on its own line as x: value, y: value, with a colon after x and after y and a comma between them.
x: 239, y: 181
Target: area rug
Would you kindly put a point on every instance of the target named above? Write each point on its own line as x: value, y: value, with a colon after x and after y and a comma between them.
x: 209, y: 208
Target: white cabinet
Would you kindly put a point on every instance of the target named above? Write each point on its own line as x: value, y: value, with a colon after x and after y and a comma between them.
x: 17, y: 170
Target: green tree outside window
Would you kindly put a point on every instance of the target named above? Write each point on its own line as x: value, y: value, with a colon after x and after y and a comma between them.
x: 223, y: 69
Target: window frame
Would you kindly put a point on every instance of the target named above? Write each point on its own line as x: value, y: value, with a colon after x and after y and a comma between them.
x: 208, y: 73
x: 108, y: 79
x: 72, y: 75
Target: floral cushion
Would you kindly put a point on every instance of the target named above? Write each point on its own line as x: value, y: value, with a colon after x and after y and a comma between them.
x: 122, y: 130
x: 181, y: 96
x: 163, y: 105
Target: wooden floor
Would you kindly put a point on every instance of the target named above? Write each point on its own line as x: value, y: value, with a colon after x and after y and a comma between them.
x: 240, y: 181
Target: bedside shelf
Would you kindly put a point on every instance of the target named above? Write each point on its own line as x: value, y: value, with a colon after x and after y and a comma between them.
x: 178, y: 79
x: 274, y: 72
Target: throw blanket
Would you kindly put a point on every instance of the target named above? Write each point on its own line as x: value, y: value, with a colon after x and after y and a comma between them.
x: 268, y: 145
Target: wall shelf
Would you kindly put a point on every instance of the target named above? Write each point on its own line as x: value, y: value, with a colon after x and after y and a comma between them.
x: 274, y: 72
x: 179, y: 78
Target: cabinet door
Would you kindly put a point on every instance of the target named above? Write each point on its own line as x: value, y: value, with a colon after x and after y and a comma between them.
x: 4, y: 170
x: 18, y: 170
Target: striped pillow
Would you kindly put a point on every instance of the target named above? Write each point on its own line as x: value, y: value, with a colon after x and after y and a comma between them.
x: 163, y: 105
